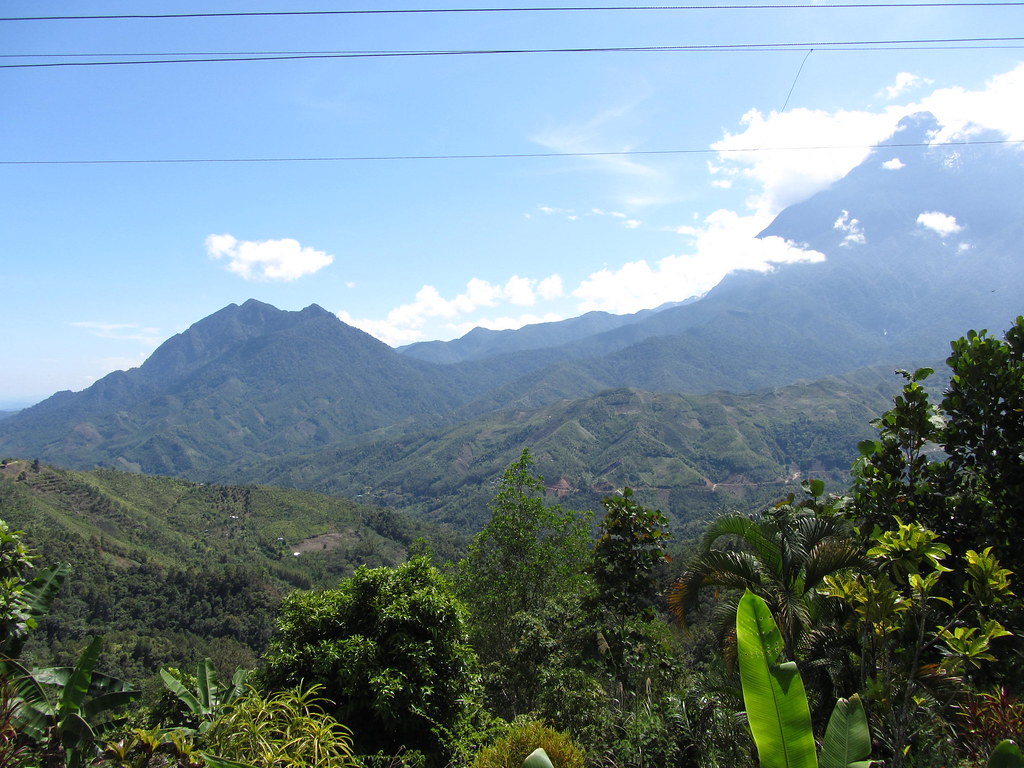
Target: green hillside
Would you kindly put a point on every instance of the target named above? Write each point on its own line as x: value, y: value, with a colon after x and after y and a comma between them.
x: 169, y: 571
x: 689, y: 455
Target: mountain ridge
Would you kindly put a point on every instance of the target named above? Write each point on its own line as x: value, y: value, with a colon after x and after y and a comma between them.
x: 912, y: 261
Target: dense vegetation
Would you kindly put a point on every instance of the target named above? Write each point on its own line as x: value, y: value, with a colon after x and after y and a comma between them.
x: 167, y: 572
x: 896, y: 599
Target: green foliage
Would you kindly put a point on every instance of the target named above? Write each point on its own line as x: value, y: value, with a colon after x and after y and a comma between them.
x: 776, y: 703
x: 389, y: 646
x: 895, y: 476
x: 628, y: 554
x: 773, y: 691
x: 22, y: 599
x: 211, y: 696
x: 527, y: 556
x: 537, y: 759
x: 66, y: 710
x: 915, y: 643
x: 783, y: 555
x: 284, y: 729
x: 524, y: 737
x: 1006, y: 755
x: 984, y: 440
x: 847, y: 742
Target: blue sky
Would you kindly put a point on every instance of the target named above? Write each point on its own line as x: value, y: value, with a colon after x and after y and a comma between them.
x: 102, y: 262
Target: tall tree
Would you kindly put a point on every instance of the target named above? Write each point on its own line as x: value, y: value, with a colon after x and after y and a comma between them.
x: 528, y: 554
x: 389, y: 647
x: 527, y: 564
x: 628, y: 554
x: 984, y: 439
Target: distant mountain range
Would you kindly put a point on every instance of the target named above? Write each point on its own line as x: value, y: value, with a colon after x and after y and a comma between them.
x: 921, y: 244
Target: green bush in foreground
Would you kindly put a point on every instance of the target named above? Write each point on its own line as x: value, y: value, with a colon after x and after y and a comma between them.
x: 522, y: 739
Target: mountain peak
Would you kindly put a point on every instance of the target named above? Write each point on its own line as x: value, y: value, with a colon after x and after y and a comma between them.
x: 917, y: 128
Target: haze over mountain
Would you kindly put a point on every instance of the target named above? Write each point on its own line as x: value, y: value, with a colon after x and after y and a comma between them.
x: 920, y: 245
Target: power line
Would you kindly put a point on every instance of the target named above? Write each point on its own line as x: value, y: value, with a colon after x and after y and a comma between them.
x: 508, y: 155
x: 542, y: 9
x: 801, y: 69
x: 964, y: 42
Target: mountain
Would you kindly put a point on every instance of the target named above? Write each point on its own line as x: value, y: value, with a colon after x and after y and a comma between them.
x: 249, y: 379
x: 483, y: 343
x: 921, y: 245
x: 689, y: 455
x: 891, y: 291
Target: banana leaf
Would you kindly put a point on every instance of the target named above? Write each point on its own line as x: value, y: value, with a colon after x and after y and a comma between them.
x: 773, y: 692
x: 1006, y: 755
x: 537, y: 759
x: 847, y: 741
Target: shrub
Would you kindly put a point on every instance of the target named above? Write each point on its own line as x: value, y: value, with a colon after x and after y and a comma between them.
x: 285, y: 729
x: 522, y: 738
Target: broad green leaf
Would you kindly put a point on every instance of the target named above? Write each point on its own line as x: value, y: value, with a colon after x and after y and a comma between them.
x: 206, y: 684
x: 847, y: 739
x: 1006, y: 755
x: 44, y: 587
x: 174, y: 686
x: 72, y: 696
x: 77, y: 738
x: 538, y: 759
x: 108, y: 701
x: 773, y: 691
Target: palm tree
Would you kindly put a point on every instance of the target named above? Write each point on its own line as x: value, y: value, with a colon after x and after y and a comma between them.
x: 781, y: 555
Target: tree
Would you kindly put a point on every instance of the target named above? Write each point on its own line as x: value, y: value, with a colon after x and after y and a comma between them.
x: 782, y: 555
x: 956, y: 469
x: 389, y: 646
x: 895, y: 476
x: 23, y: 599
x: 984, y: 440
x: 527, y: 555
x: 67, y: 710
x: 628, y: 554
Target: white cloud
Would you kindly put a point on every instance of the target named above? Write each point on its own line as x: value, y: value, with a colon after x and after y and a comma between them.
x: 784, y: 176
x: 904, y: 82
x: 727, y: 242
x: 631, y: 224
x: 852, y: 228
x: 405, y: 324
x: 550, y: 287
x: 479, y: 293
x: 941, y: 224
x: 964, y: 113
x: 519, y: 290
x: 894, y: 165
x: 757, y: 155
x: 267, y: 260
